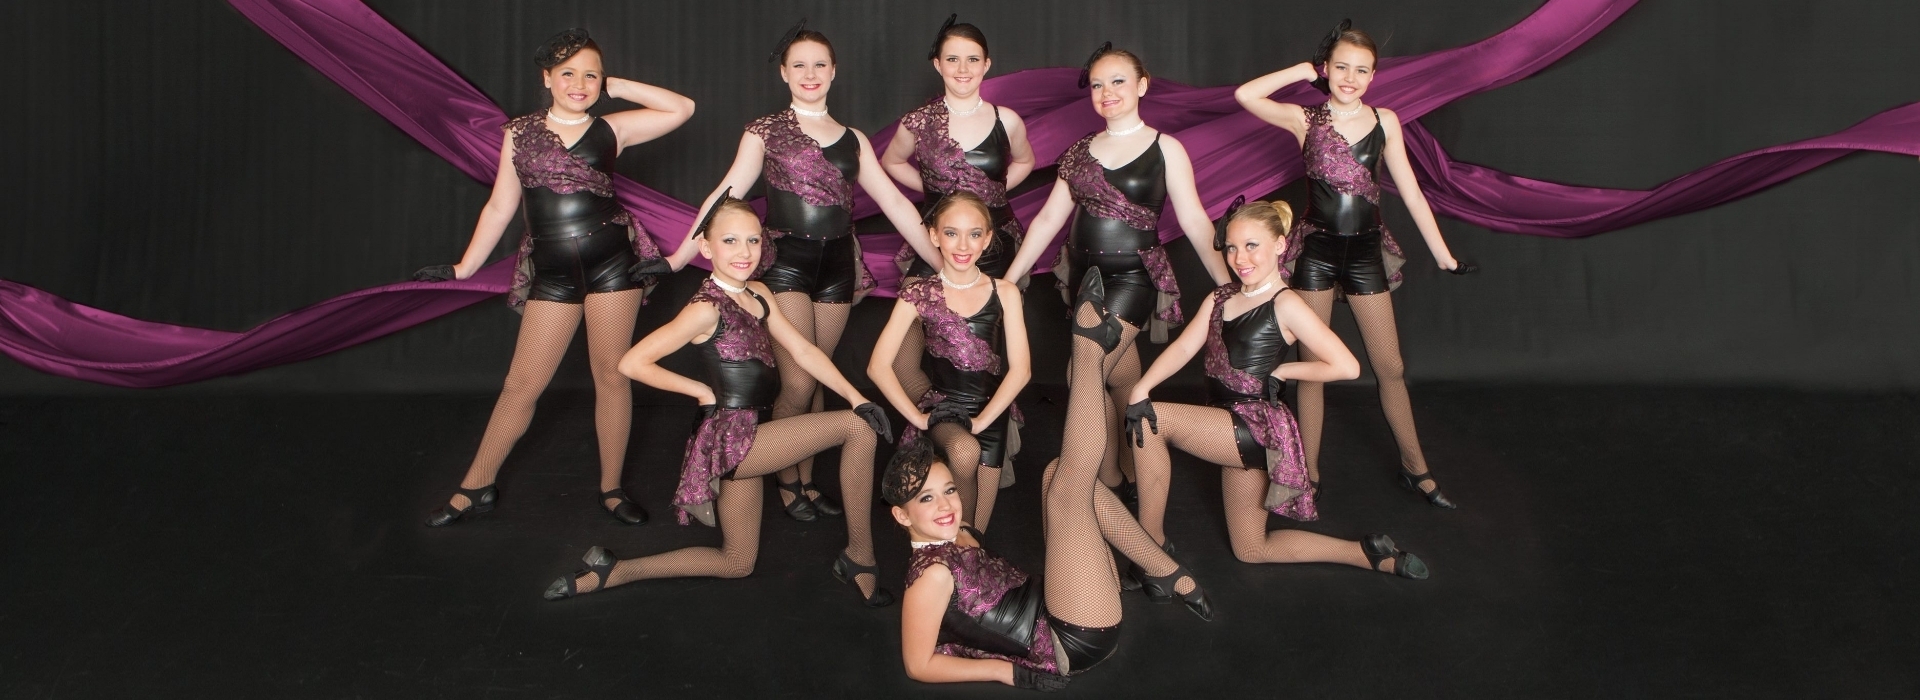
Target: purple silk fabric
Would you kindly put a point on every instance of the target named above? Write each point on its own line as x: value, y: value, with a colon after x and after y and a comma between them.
x: 1233, y: 154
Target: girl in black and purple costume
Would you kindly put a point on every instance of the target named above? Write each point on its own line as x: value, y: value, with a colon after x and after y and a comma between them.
x: 737, y: 441
x: 814, y: 271
x: 977, y: 362
x: 583, y: 255
x: 1244, y: 428
x: 1116, y: 241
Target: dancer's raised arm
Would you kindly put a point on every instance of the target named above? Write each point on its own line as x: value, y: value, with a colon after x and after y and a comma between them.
x: 1254, y: 96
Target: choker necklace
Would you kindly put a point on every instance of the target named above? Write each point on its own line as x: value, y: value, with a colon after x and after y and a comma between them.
x: 730, y: 289
x: 977, y: 275
x: 1257, y: 292
x: 807, y: 112
x: 1338, y: 113
x: 1128, y: 130
x: 977, y: 104
x: 584, y: 118
x: 935, y: 543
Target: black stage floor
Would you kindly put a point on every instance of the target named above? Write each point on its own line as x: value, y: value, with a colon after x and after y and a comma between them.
x: 1612, y: 543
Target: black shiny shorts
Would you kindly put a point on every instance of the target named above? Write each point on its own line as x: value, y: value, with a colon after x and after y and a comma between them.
x: 1085, y: 647
x: 992, y: 440
x: 567, y: 269
x: 1353, y: 263
x: 1130, y: 291
x: 825, y: 270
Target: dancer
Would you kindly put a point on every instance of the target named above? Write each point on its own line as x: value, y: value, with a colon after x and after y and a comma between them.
x: 582, y: 255
x: 1116, y: 210
x: 999, y: 161
x: 811, y: 163
x: 733, y: 327
x: 978, y: 361
x: 1244, y: 427
x: 1340, y: 246
x: 968, y: 615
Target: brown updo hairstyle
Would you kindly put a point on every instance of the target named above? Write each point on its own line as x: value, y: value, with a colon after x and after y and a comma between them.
x: 1276, y: 215
x: 1359, y: 39
x: 815, y: 37
x: 959, y: 199
x: 907, y: 471
x: 563, y: 46
x: 961, y: 30
x: 726, y: 204
x: 1139, y: 66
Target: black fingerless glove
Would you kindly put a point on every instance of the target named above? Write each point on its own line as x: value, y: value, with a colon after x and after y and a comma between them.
x: 1137, y: 414
x: 1462, y: 267
x: 1275, y: 390
x: 645, y: 271
x: 1325, y: 52
x: 1029, y: 679
x: 950, y: 412
x: 434, y: 273
x: 700, y: 418
x: 876, y: 419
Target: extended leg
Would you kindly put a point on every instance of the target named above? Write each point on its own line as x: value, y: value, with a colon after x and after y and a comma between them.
x: 546, y: 330
x: 610, y: 319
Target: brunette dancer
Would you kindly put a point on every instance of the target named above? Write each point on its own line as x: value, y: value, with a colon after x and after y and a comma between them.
x: 1244, y: 427
x: 734, y: 328
x: 583, y: 256
x: 976, y: 355
x: 1340, y: 246
x: 931, y: 137
x: 815, y: 273
x: 1115, y: 211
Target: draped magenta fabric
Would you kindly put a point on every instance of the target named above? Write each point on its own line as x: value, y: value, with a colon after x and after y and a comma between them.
x: 1233, y: 154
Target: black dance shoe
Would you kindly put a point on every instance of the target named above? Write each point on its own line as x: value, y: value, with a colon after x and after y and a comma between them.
x: 1411, y: 482
x: 1159, y: 589
x: 1093, y: 291
x: 1379, y: 548
x: 801, y: 507
x: 599, y: 562
x: 479, y: 500
x: 625, y: 511
x: 844, y: 569
x: 824, y: 504
x: 1130, y: 581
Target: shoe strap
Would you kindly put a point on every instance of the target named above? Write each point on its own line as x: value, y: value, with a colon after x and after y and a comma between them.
x: 620, y: 493
x: 794, y: 487
x: 1417, y: 479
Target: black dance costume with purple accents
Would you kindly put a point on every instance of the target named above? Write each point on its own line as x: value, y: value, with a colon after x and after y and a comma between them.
x: 1341, y: 240
x: 946, y: 168
x: 579, y: 239
x: 810, y: 211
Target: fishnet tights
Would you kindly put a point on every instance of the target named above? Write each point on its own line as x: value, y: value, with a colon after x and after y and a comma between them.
x: 1118, y: 466
x: 546, y: 329
x: 1207, y: 433
x: 775, y: 445
x: 800, y: 392
x: 1374, y: 314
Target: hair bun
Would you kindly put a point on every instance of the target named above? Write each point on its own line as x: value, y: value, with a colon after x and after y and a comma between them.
x: 561, y: 47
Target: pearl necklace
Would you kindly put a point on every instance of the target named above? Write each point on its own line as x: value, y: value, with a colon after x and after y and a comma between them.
x: 1338, y: 113
x: 1128, y: 130
x: 584, y: 118
x: 1257, y: 292
x: 730, y: 289
x: 951, y: 112
x: 807, y: 112
x: 935, y: 543
x: 977, y: 275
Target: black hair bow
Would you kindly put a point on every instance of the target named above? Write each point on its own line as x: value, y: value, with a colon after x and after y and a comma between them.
x: 780, y: 50
x: 940, y: 37
x: 1086, y: 69
x: 1220, y: 224
x: 561, y: 47
x: 1326, y: 52
x: 707, y: 220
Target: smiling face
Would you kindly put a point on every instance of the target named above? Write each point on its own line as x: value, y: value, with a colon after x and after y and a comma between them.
x: 933, y: 515
x: 961, y: 232
x: 1252, y: 250
x: 962, y: 65
x: 1349, y: 72
x: 732, y: 242
x: 1117, y: 86
x: 808, y: 71
x: 575, y: 83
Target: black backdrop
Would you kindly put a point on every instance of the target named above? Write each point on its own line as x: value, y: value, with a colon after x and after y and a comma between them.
x: 170, y: 162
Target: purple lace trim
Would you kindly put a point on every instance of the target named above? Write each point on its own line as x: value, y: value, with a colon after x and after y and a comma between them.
x: 927, y: 401
x: 713, y: 452
x: 794, y: 162
x: 933, y: 397
x: 1155, y: 260
x: 1289, y: 493
x: 948, y: 336
x: 541, y: 160
x: 1330, y: 158
x: 980, y: 579
x: 1272, y: 425
x: 943, y: 164
x: 522, y: 272
x: 1088, y: 181
x: 742, y: 335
